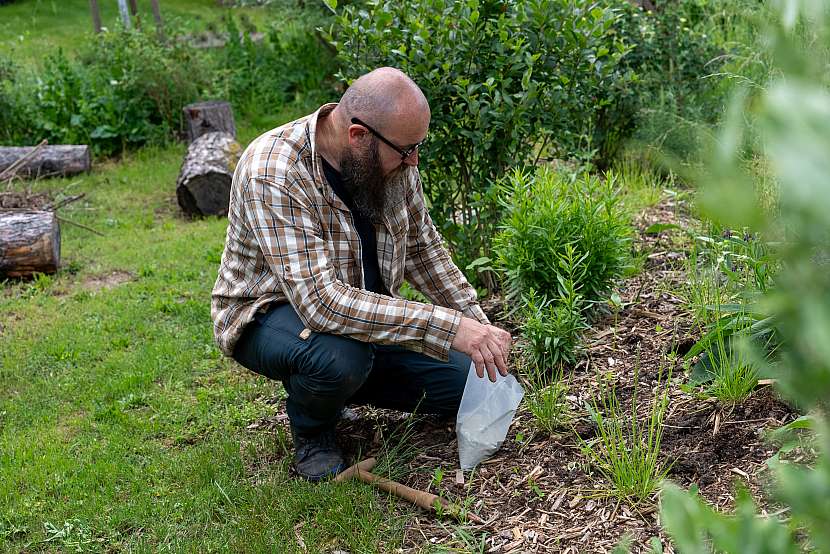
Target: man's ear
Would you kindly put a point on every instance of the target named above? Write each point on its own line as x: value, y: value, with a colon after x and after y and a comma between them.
x: 357, y: 135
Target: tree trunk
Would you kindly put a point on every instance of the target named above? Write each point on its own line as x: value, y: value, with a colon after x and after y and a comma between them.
x: 204, y: 183
x: 30, y: 241
x: 125, y: 13
x: 157, y: 16
x: 96, y: 15
x: 209, y: 117
x: 134, y: 12
x: 61, y: 159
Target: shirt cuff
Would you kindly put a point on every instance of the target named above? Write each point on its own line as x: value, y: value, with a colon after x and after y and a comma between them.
x: 474, y: 311
x: 441, y: 329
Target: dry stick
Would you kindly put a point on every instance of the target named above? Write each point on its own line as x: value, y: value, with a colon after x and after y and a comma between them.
x: 11, y: 171
x: 82, y: 226
x: 64, y: 202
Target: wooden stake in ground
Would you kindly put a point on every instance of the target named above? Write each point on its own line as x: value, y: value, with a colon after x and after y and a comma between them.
x: 48, y: 161
x: 208, y: 117
x: 204, y: 183
x: 30, y: 242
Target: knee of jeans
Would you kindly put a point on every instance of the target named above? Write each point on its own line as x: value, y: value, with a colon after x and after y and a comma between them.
x: 342, y: 365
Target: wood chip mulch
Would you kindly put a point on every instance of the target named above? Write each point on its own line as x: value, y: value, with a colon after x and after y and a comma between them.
x: 539, y: 493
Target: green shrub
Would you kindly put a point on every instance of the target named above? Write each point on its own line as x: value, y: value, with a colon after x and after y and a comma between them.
x: 503, y: 79
x: 14, y: 105
x: 684, y: 55
x: 125, y: 89
x: 545, y: 215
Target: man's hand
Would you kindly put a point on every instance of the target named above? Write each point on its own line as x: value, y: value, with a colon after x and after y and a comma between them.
x: 487, y: 345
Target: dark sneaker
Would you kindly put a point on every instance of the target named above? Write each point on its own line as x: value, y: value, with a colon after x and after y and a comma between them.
x: 317, y: 457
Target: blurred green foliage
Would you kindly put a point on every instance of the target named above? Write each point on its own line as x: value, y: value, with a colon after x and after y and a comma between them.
x: 786, y: 123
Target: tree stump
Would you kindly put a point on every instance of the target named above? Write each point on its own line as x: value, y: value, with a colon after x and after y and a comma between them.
x: 208, y: 117
x: 204, y: 183
x: 51, y: 160
x: 30, y: 242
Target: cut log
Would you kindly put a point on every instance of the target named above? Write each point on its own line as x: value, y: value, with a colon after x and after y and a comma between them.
x: 204, y: 183
x: 52, y: 160
x: 30, y: 242
x: 208, y: 117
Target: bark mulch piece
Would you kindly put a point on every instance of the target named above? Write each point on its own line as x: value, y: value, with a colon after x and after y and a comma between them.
x: 538, y: 493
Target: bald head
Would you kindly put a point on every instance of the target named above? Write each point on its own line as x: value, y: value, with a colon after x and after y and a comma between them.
x: 384, y: 97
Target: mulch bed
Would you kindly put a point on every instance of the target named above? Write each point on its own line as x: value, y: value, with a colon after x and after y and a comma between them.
x: 538, y: 493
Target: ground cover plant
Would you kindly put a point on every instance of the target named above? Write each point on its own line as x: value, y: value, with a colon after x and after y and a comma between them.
x: 122, y: 428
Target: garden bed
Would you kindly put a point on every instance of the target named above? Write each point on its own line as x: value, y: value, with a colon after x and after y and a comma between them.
x: 539, y: 493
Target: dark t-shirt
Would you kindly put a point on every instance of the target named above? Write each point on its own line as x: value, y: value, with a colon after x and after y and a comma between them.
x: 365, y: 229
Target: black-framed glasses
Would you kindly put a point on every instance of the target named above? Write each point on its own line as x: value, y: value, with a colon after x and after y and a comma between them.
x: 404, y: 152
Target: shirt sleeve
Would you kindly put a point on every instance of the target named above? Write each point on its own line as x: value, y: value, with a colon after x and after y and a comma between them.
x: 287, y: 230
x: 429, y: 267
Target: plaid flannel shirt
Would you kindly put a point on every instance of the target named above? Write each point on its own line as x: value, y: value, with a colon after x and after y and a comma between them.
x: 291, y: 238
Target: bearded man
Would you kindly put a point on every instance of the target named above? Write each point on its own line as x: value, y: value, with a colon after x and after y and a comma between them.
x: 327, y: 219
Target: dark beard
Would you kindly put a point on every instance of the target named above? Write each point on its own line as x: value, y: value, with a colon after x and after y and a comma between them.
x: 364, y: 181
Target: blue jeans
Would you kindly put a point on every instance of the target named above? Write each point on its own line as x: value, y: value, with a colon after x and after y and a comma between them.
x: 325, y: 372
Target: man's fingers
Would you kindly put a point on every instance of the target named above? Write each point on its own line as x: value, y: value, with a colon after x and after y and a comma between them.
x: 491, y: 355
x: 478, y: 360
x: 500, y: 358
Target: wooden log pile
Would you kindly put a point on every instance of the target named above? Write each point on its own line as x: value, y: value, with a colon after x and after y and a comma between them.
x: 30, y: 236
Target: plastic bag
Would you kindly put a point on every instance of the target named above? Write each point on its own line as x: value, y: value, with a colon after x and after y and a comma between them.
x: 484, y: 416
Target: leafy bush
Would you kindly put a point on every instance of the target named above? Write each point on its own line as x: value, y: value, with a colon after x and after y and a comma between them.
x: 553, y: 326
x: 125, y: 89
x: 679, y: 51
x: 548, y: 216
x: 791, y: 116
x: 503, y: 79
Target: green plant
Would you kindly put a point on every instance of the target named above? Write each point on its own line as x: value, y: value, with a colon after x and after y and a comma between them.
x: 546, y: 399
x: 549, y: 218
x: 787, y: 123
x: 627, y: 452
x: 506, y: 81
x: 552, y: 331
x: 734, y: 375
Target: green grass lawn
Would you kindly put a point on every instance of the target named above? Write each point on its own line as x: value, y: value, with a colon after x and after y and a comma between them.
x: 32, y: 29
x: 121, y: 426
